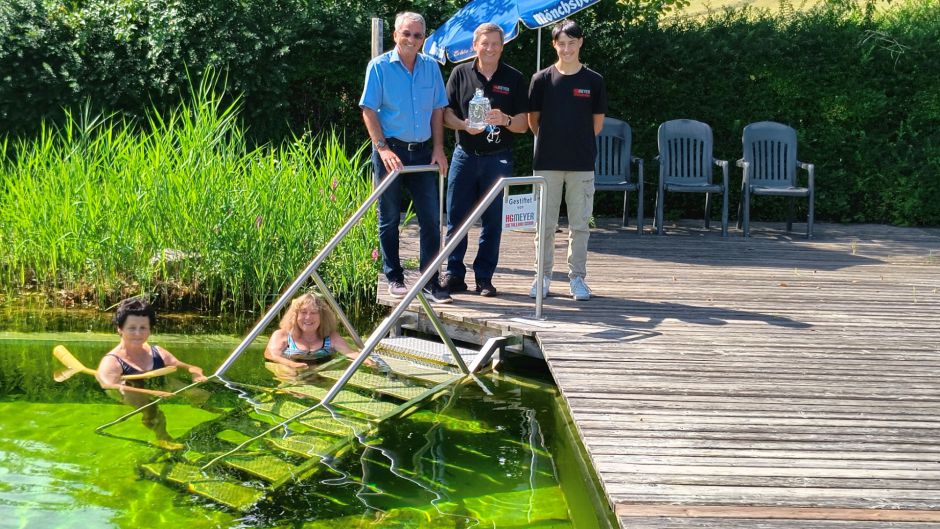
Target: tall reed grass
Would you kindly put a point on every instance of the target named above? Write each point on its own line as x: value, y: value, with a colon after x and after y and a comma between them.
x: 181, y: 207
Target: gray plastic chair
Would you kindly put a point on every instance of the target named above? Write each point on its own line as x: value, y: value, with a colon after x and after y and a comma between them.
x: 612, y: 167
x: 770, y: 165
x: 685, y: 166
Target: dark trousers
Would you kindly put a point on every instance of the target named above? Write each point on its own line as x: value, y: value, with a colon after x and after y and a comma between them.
x: 471, y: 176
x: 424, y: 195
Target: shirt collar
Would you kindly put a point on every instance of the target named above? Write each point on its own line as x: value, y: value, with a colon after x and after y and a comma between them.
x: 395, y: 57
x: 499, y: 67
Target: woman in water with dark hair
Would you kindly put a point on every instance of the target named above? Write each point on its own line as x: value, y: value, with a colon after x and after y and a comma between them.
x: 307, y: 335
x: 134, y: 320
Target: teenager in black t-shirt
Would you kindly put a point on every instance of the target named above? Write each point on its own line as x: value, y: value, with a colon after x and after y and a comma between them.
x: 567, y: 103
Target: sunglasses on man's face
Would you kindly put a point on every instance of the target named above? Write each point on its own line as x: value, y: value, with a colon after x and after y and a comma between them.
x: 407, y: 34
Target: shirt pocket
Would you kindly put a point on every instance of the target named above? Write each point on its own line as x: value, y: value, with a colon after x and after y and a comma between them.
x: 424, y: 98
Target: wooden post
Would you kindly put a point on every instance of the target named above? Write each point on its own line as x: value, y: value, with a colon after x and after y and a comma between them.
x: 377, y: 36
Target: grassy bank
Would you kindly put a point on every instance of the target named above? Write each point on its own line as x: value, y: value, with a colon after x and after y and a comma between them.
x: 180, y: 207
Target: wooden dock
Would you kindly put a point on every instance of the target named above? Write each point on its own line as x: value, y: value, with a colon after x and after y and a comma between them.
x: 769, y: 383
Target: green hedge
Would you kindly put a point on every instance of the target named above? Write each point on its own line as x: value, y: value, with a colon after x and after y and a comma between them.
x: 861, y: 91
x: 860, y: 88
x: 293, y: 62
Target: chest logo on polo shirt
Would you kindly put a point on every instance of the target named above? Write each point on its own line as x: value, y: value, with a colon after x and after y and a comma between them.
x: 500, y: 89
x: 581, y: 92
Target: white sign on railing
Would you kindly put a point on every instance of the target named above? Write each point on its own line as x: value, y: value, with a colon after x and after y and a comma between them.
x: 519, y: 212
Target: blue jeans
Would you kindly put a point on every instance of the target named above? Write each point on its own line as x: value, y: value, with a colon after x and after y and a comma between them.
x: 471, y: 176
x: 423, y: 189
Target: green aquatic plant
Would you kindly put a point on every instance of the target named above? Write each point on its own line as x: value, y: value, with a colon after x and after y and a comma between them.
x: 451, y: 423
x: 181, y: 207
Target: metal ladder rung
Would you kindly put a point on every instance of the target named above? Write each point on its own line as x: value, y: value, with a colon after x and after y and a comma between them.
x: 433, y: 353
x: 305, y: 444
x: 378, y: 384
x: 340, y: 427
x: 318, y: 419
x: 283, y: 408
x: 229, y: 493
x: 416, y: 371
x: 264, y: 466
x: 348, y: 400
x: 179, y: 473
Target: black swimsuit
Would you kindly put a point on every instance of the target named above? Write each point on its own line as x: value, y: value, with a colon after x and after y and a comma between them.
x: 127, y: 369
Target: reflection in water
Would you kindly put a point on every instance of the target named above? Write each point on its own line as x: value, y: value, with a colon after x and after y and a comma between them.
x: 472, y: 458
x: 500, y: 475
x: 433, y: 489
x: 40, y: 491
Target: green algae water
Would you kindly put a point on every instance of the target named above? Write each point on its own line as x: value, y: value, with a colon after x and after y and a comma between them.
x: 494, y: 454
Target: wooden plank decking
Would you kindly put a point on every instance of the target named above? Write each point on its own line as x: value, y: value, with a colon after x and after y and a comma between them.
x: 728, y: 383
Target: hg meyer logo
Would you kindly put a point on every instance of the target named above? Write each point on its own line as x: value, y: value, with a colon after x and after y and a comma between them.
x: 560, y: 11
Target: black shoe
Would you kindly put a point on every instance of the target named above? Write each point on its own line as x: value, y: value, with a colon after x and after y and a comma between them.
x: 485, y: 288
x: 397, y: 288
x: 454, y: 284
x: 436, y: 294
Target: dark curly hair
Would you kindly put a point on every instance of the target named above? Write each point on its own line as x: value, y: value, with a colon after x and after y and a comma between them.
x: 134, y: 307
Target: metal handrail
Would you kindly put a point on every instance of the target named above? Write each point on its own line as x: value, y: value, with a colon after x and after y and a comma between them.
x: 432, y: 269
x: 442, y: 221
x: 311, y: 268
x: 368, y: 347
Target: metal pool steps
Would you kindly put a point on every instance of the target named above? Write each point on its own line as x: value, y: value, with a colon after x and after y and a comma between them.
x: 416, y: 349
x: 412, y: 371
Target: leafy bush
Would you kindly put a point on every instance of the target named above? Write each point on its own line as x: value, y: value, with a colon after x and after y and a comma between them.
x: 296, y: 64
x: 288, y: 59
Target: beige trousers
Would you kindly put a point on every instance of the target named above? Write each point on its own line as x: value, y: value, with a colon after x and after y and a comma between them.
x: 579, y: 198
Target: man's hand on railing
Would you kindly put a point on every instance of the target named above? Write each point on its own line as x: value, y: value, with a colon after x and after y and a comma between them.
x: 438, y: 157
x: 391, y: 160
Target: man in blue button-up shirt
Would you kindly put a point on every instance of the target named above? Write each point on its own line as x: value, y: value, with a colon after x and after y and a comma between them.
x: 403, y: 108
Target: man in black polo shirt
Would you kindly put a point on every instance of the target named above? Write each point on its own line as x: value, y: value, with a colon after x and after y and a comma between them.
x: 482, y: 156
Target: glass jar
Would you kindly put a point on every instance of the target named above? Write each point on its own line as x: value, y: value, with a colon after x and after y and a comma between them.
x: 479, y: 106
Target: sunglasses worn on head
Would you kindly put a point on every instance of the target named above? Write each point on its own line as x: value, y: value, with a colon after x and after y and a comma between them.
x: 407, y: 34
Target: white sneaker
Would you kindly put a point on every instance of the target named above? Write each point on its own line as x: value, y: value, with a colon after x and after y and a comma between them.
x: 545, y: 282
x: 579, y: 289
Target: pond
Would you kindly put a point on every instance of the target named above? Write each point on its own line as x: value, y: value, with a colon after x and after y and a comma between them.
x: 500, y: 453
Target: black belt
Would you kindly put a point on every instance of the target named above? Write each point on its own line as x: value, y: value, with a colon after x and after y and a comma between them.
x: 411, y: 146
x: 483, y: 153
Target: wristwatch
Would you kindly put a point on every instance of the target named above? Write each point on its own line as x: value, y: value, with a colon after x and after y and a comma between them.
x: 381, y: 144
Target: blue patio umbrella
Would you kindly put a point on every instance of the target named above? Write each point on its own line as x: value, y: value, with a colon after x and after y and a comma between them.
x: 453, y: 41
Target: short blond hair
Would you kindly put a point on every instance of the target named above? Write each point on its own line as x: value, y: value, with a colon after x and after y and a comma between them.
x: 488, y: 27
x: 327, y: 317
